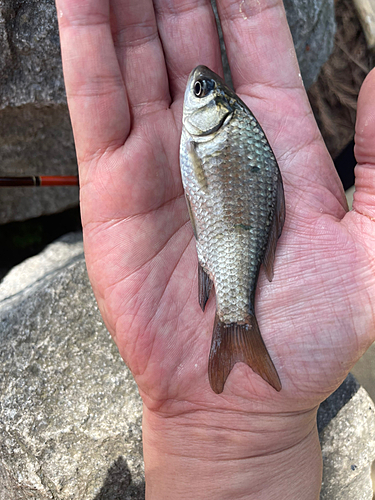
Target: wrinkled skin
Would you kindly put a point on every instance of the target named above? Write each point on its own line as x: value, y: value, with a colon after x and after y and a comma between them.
x: 125, y: 98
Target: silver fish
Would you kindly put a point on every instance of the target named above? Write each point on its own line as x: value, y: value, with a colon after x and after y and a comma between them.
x: 235, y: 198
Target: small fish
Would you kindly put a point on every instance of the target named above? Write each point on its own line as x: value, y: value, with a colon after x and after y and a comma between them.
x: 235, y: 198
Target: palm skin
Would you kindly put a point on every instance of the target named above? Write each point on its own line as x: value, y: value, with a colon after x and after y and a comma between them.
x: 316, y: 317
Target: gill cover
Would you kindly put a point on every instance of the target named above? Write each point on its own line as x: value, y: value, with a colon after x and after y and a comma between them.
x: 205, y: 105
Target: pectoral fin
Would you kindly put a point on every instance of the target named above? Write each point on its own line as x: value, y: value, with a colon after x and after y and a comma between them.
x: 196, y: 162
x: 276, y: 229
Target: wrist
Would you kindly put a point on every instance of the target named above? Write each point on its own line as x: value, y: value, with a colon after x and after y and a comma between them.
x: 229, y: 455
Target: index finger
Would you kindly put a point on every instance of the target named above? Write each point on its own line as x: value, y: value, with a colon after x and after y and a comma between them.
x: 95, y: 89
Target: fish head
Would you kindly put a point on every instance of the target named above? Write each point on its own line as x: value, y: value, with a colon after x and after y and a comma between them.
x: 208, y: 103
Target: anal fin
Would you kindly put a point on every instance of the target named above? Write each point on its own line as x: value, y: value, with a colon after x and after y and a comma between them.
x: 204, y: 286
x: 232, y: 343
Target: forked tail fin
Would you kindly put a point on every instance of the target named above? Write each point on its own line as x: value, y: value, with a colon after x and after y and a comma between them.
x: 232, y: 343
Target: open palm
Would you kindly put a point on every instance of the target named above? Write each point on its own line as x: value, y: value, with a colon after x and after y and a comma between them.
x: 126, y: 68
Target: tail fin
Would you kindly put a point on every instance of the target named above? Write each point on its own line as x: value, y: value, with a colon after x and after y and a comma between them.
x: 232, y: 343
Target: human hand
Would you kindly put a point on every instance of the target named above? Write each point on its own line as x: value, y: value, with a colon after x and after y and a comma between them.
x: 125, y: 69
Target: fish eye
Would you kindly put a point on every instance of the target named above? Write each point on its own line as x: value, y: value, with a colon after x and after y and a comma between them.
x: 203, y: 87
x: 198, y: 88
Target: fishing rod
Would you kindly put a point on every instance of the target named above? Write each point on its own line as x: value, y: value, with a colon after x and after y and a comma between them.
x: 40, y: 180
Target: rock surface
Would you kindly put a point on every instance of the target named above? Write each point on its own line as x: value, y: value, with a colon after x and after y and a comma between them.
x: 70, y: 412
x: 312, y: 23
x: 35, y: 132
x: 364, y: 371
x: 36, y: 140
x: 348, y: 448
x: 30, y: 63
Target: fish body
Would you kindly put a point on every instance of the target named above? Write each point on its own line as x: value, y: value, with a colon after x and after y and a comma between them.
x: 235, y: 199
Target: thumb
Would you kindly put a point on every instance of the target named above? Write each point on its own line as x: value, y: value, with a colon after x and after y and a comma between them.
x: 364, y: 150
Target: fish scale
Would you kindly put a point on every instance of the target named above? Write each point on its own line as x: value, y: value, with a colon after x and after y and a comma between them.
x: 236, y: 203
x: 224, y: 215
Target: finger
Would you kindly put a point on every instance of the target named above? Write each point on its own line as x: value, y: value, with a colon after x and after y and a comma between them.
x: 255, y: 32
x: 189, y: 35
x: 364, y: 195
x: 95, y: 90
x: 140, y: 54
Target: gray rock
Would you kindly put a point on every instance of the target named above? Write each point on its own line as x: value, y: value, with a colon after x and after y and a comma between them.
x: 70, y: 413
x: 29, y: 275
x: 35, y: 131
x: 364, y: 371
x: 312, y: 23
x: 30, y: 61
x: 36, y: 141
x: 348, y: 448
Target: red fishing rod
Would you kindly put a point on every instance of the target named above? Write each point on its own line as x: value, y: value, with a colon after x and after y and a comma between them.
x: 40, y: 180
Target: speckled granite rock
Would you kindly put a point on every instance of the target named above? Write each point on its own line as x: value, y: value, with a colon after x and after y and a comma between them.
x: 30, y: 64
x: 348, y: 448
x: 70, y: 412
x: 364, y: 371
x: 29, y: 274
